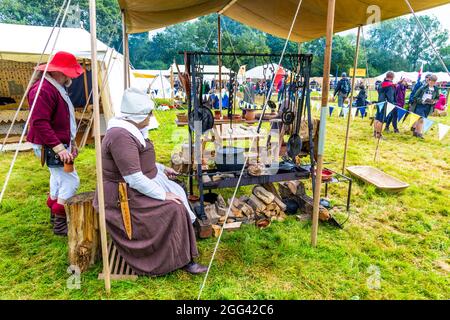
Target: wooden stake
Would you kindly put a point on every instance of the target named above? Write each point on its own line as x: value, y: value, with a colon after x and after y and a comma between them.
x: 355, y: 64
x: 323, y: 117
x: 98, y: 154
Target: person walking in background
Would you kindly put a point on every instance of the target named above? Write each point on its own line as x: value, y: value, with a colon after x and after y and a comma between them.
x: 386, y: 93
x: 342, y: 89
x: 400, y: 92
x: 361, y: 100
x: 423, y: 105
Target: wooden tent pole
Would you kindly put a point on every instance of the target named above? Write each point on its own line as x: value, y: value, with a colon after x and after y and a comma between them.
x: 323, y: 118
x: 171, y: 83
x: 219, y: 61
x: 98, y: 154
x: 355, y: 64
x: 126, y: 55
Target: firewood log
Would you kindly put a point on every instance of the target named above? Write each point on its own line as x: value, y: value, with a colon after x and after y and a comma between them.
x: 307, y: 207
x: 216, y: 230
x: 221, y: 201
x: 271, y: 206
x: 264, y: 195
x: 271, y: 188
x: 284, y: 191
x: 256, y: 204
x: 211, y: 213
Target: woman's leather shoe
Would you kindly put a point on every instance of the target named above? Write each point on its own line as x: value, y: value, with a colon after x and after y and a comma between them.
x: 195, y: 268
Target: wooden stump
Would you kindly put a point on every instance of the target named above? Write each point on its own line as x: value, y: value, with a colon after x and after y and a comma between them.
x: 83, y: 231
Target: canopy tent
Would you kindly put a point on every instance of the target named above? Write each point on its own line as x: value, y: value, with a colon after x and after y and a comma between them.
x: 261, y: 72
x: 139, y: 73
x: 160, y: 87
x: 315, y: 19
x: 210, y: 71
x: 23, y: 43
x: 273, y: 17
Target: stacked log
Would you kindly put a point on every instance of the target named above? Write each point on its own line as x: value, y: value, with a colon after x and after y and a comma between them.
x: 295, y: 190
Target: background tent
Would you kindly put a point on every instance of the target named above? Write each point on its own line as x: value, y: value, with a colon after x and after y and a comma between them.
x: 20, y: 49
x: 412, y: 76
x: 258, y: 72
x: 160, y: 87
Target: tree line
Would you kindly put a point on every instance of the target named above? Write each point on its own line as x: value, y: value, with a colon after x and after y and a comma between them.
x: 396, y: 44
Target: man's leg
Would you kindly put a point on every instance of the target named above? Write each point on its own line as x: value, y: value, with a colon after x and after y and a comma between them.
x: 68, y: 185
x: 394, y: 120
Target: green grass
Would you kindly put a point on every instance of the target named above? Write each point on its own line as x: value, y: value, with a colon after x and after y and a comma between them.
x: 403, y: 235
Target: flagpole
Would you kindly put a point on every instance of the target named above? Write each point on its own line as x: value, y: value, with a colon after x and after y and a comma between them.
x: 98, y: 155
x: 352, y: 89
x: 323, y: 119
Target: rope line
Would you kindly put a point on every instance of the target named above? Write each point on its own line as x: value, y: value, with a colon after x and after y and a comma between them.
x: 246, y: 158
x: 8, y: 176
x: 31, y: 78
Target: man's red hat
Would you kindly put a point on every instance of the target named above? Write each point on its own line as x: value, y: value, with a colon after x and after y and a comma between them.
x: 64, y: 62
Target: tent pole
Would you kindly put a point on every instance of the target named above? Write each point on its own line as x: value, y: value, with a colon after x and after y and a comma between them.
x: 98, y: 154
x: 219, y: 61
x: 323, y: 117
x: 355, y: 64
x: 126, y: 54
x: 171, y: 83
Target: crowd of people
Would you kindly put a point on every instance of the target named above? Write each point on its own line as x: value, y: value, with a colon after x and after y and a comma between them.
x: 425, y: 97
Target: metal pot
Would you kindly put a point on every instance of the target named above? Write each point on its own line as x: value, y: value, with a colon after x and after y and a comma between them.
x: 230, y: 159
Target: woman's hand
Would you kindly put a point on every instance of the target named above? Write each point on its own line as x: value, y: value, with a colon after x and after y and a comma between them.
x: 65, y: 156
x: 171, y: 173
x: 173, y: 197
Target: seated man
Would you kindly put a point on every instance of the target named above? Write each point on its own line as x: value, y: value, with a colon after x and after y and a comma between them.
x: 162, y: 237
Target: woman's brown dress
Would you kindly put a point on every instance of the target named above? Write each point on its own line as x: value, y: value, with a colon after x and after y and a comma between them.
x: 163, y: 238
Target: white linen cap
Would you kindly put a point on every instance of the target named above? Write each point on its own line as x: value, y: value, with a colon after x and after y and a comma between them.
x: 136, y: 105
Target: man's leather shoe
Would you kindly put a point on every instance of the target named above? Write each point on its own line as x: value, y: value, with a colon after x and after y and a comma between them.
x: 195, y: 268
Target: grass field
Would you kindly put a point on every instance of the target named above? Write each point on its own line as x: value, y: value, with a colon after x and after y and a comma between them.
x: 392, y: 247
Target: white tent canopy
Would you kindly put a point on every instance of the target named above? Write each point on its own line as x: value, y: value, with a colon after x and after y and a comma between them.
x: 23, y: 43
x: 160, y: 87
x: 258, y: 72
x: 412, y: 76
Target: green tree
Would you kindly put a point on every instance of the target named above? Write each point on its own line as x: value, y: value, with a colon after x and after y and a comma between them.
x: 44, y: 13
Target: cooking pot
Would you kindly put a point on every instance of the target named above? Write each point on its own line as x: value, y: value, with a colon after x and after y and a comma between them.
x: 230, y: 159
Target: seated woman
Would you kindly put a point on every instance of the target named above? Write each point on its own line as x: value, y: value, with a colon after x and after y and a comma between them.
x: 162, y: 237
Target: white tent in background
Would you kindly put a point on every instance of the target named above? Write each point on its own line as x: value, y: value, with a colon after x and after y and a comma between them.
x: 412, y: 76
x: 23, y: 43
x: 160, y: 87
x: 258, y: 72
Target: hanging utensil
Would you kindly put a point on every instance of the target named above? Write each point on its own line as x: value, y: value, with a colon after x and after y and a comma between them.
x: 294, y: 144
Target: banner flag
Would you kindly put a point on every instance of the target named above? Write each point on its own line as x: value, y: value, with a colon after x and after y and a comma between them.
x: 427, y: 124
x: 331, y: 110
x: 413, y: 118
x: 389, y: 108
x: 443, y: 129
x: 345, y: 111
x: 353, y: 112
x: 400, y: 113
x: 370, y: 110
x: 380, y: 107
x: 363, y: 111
